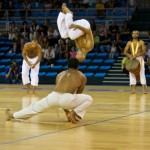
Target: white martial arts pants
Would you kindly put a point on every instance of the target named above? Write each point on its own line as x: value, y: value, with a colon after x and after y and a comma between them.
x: 34, y: 72
x: 63, y: 23
x: 142, y: 73
x: 77, y: 102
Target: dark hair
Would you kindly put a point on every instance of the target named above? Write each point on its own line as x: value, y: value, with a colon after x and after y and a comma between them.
x: 73, y: 63
x: 132, y: 37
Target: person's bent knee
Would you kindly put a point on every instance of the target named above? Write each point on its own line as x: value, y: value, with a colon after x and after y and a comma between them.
x: 90, y: 99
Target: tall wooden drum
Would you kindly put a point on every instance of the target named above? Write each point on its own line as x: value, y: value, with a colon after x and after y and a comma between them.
x: 133, y: 66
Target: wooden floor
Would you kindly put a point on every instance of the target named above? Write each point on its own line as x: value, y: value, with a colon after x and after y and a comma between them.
x: 116, y: 120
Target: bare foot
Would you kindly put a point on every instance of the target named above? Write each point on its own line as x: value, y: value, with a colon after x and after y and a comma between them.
x: 133, y: 92
x: 9, y: 115
x: 71, y: 117
x: 144, y: 92
x: 65, y: 9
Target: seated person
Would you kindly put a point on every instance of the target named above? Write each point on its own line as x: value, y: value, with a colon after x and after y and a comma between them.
x: 13, y: 74
x: 49, y: 56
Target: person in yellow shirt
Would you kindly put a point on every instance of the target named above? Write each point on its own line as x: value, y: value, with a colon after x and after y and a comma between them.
x: 100, y: 9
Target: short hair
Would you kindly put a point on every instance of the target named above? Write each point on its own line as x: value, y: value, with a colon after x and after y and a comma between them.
x: 73, y: 63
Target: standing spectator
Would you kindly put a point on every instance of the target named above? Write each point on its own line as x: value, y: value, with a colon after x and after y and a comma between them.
x: 13, y: 73
x: 49, y: 56
x: 112, y: 51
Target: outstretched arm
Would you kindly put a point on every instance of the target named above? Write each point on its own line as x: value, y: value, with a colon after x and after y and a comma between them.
x: 75, y: 26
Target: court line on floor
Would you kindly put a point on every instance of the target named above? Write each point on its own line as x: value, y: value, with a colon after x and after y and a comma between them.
x: 86, y: 90
x: 59, y: 131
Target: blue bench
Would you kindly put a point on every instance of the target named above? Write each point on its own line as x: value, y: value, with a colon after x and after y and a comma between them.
x: 100, y: 75
x: 104, y: 69
x: 97, y: 62
x: 61, y: 62
x: 5, y: 62
x: 4, y: 49
x: 44, y: 68
x: 92, y: 69
x: 109, y: 62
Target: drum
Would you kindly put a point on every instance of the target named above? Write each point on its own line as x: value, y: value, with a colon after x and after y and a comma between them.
x: 133, y: 66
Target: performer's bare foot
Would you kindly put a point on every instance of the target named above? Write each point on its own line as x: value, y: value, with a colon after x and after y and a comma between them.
x: 133, y: 88
x: 9, y: 115
x: 133, y: 92
x: 144, y: 89
x: 144, y: 92
x: 65, y: 9
x: 72, y: 117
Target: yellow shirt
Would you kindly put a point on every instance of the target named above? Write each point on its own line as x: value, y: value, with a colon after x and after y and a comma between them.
x: 100, y: 6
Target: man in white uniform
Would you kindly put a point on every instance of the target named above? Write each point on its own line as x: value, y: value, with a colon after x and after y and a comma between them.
x: 79, y: 31
x: 32, y: 54
x: 67, y: 95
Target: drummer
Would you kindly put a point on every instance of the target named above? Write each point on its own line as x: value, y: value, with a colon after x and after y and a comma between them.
x: 135, y: 48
